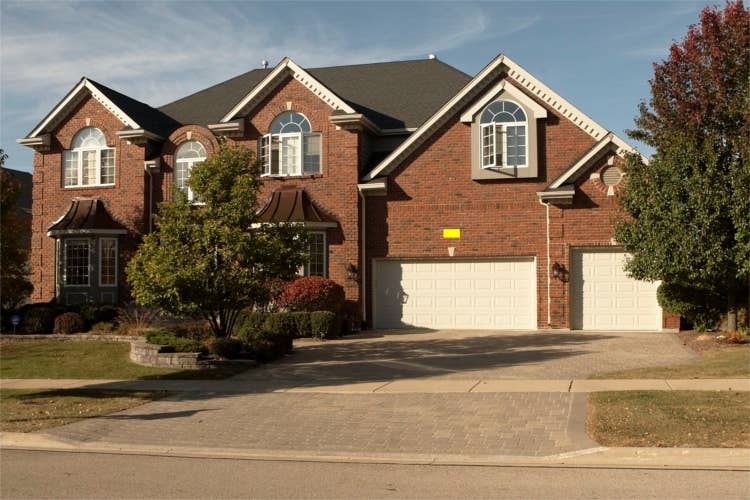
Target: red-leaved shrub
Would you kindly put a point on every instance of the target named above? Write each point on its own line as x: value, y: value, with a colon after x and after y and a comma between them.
x: 312, y: 293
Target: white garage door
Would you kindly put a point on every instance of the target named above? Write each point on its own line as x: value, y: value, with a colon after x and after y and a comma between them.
x: 603, y: 297
x: 455, y: 294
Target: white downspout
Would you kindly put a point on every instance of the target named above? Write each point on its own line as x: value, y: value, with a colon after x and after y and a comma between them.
x: 363, y: 266
x: 549, y: 277
x: 150, y: 198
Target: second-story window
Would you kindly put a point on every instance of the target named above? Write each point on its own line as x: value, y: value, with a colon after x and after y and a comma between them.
x: 290, y: 147
x: 503, y: 136
x: 186, y: 157
x: 89, y: 162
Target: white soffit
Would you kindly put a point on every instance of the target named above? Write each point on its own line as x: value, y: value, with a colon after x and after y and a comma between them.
x: 74, y: 97
x: 521, y: 78
x: 299, y: 74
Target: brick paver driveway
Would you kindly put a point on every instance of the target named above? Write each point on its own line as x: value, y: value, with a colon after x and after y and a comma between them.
x: 478, y: 424
x: 470, y: 354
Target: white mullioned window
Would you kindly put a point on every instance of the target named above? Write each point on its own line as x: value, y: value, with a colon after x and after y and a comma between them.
x: 317, y: 264
x: 186, y: 157
x: 503, y: 143
x: 77, y: 264
x: 108, y: 262
x: 89, y: 162
x: 290, y: 147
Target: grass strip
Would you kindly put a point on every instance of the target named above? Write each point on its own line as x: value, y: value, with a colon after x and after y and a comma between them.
x: 34, y: 410
x: 697, y: 419
x: 715, y: 363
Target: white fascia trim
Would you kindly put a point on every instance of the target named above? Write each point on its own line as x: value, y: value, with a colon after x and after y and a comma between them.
x: 373, y: 188
x: 96, y: 94
x: 40, y: 141
x: 397, y: 131
x: 583, y: 162
x: 561, y: 193
x: 513, y: 91
x: 138, y: 133
x: 306, y: 225
x: 299, y: 74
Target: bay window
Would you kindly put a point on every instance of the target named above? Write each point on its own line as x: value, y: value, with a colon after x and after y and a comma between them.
x: 290, y: 147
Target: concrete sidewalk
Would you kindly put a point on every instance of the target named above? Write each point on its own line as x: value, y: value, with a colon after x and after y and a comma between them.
x: 400, y: 386
x: 596, y: 457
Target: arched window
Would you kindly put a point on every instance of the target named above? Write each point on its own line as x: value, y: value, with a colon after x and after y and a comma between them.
x: 186, y: 157
x: 503, y: 135
x: 290, y: 147
x: 89, y: 162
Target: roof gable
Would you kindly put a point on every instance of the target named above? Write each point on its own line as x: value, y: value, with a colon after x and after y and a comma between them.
x: 520, y: 77
x: 132, y: 113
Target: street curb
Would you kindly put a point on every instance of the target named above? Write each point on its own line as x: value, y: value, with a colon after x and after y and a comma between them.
x: 732, y: 459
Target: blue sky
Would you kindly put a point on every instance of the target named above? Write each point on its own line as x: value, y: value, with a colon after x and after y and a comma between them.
x: 598, y: 55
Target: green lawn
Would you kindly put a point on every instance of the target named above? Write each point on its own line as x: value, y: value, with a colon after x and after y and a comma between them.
x: 87, y: 360
x: 715, y: 363
x: 698, y: 419
x: 33, y: 410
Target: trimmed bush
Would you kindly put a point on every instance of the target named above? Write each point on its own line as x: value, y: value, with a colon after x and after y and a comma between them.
x: 38, y: 318
x: 302, y: 322
x: 226, y: 348
x: 172, y: 342
x: 703, y: 308
x: 248, y: 322
x: 69, y: 322
x: 282, y: 328
x: 312, y: 293
x: 98, y: 313
x: 103, y: 326
x: 195, y: 331
x: 325, y: 325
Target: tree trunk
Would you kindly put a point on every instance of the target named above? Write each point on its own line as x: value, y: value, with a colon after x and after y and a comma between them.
x: 731, y: 312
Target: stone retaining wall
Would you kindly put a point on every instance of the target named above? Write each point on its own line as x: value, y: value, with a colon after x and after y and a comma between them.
x: 143, y: 353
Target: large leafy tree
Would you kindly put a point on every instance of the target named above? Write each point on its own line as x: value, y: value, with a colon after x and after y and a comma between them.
x: 15, y: 286
x: 689, y: 207
x: 212, y: 259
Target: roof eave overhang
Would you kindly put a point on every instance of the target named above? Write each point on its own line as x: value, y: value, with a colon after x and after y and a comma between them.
x: 139, y: 136
x: 56, y: 233
x: 354, y: 121
x: 377, y: 187
x: 287, y: 66
x: 235, y: 128
x: 306, y: 225
x: 562, y: 196
x: 39, y: 143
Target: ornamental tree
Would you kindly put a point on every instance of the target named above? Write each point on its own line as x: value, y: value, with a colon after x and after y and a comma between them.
x: 211, y: 260
x: 15, y: 286
x: 688, y: 209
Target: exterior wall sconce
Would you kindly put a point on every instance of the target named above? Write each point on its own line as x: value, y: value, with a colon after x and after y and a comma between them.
x: 559, y: 272
x: 351, y: 272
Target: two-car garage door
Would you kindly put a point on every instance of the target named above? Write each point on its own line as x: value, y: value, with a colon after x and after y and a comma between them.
x: 497, y: 294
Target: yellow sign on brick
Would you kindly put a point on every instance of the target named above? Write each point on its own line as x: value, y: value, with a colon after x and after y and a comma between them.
x: 452, y: 234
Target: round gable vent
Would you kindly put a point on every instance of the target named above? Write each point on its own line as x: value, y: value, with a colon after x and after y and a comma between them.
x: 611, y: 176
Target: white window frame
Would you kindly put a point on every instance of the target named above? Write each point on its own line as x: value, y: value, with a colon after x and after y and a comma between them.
x: 67, y: 241
x: 306, y: 267
x: 267, y: 153
x: 502, y: 126
x: 101, y: 248
x: 190, y: 163
x: 79, y: 153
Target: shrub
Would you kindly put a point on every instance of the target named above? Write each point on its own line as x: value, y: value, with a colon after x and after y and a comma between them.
x: 98, y: 313
x: 103, y: 326
x: 302, y: 322
x: 248, y: 322
x: 38, y: 318
x: 325, y: 324
x: 135, y: 319
x: 312, y: 293
x: 226, y: 348
x: 69, y: 322
x: 195, y: 331
x: 282, y: 328
x: 702, y: 307
x: 172, y: 342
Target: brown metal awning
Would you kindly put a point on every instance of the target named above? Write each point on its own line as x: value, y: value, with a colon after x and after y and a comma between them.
x: 294, y: 205
x: 86, y: 216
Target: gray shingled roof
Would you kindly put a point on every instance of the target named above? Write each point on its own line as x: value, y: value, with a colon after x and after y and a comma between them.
x: 147, y: 117
x: 400, y: 94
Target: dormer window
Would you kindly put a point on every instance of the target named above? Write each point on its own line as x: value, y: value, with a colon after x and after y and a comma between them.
x: 187, y: 156
x: 89, y: 162
x: 290, y: 147
x: 503, y: 128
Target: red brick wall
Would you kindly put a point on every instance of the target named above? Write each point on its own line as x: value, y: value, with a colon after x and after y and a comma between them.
x: 124, y: 200
x: 433, y: 190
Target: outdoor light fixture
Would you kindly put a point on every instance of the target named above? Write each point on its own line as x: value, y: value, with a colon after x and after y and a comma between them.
x: 351, y: 272
x: 559, y: 272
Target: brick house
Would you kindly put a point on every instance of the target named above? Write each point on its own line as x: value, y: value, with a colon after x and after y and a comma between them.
x: 436, y: 199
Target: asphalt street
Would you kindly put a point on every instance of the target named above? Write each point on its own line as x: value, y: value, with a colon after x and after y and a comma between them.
x: 41, y: 474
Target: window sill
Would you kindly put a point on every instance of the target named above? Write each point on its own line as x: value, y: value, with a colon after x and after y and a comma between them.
x: 91, y: 186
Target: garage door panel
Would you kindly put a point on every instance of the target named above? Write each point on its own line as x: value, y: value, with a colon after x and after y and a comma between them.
x: 604, y: 297
x: 455, y: 294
